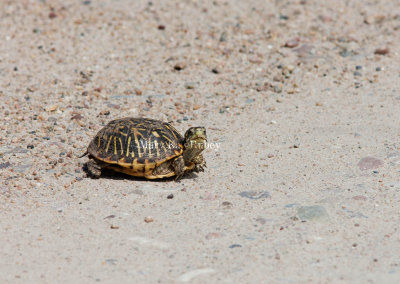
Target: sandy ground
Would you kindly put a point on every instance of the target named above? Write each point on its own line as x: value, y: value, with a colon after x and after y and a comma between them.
x: 303, y: 97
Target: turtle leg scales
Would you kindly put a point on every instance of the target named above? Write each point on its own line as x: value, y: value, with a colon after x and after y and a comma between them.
x: 94, y: 168
x: 179, y: 167
x: 200, y: 164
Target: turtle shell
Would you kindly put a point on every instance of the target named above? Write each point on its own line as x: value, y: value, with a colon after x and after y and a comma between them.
x: 136, y: 145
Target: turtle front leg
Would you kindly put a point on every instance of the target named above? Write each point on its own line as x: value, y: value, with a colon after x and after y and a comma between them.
x: 94, y: 168
x: 200, y: 163
x: 179, y: 167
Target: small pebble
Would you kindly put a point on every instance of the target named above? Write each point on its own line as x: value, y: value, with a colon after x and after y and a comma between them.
x: 255, y: 194
x: 52, y: 15
x: 5, y: 165
x: 382, y: 51
x: 378, y: 69
x: 114, y: 227
x: 179, y: 66
x: 148, y: 219
x: 109, y: 217
x: 313, y: 213
x: 235, y: 246
x: 190, y: 85
x: 292, y: 43
x: 161, y: 27
x: 369, y: 163
x: 170, y: 196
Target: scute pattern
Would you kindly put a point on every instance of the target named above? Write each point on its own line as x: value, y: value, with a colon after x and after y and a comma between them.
x: 136, y: 141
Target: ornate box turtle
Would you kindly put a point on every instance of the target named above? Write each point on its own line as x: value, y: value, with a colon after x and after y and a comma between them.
x: 147, y: 148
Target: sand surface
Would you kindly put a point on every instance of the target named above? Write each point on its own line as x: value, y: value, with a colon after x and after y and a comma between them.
x: 302, y: 98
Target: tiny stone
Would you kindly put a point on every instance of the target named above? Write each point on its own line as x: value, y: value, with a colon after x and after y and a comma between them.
x: 292, y: 43
x: 255, y: 194
x: 190, y: 85
x: 235, y: 246
x: 30, y: 146
x: 148, y: 219
x: 215, y: 70
x: 114, y: 227
x: 378, y: 69
x: 170, y: 196
x: 179, y: 66
x: 161, y: 27
x: 369, y: 163
x: 382, y: 51
x: 358, y: 67
x: 52, y: 15
x: 356, y: 73
x: 5, y: 165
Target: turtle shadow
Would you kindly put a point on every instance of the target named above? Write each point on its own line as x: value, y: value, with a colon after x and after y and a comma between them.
x: 110, y: 174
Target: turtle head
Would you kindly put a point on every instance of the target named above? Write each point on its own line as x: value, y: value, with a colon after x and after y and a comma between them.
x: 195, y: 137
x: 194, y: 143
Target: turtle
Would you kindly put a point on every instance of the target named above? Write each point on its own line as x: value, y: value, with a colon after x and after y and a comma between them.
x: 144, y: 147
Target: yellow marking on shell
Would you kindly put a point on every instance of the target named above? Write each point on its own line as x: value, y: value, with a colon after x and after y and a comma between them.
x: 172, y: 130
x: 163, y: 146
x: 127, y: 148
x: 149, y: 147
x: 155, y: 133
x: 167, y: 138
x: 138, y: 144
x: 177, y: 152
x: 99, y: 142
x: 122, y: 146
x: 115, y: 145
x: 108, y: 144
x: 157, y: 150
x: 123, y: 133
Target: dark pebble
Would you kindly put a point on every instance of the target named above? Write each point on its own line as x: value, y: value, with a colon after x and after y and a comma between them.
x: 378, y: 69
x: 235, y: 246
x: 283, y: 17
x: 179, y: 67
x: 110, y: 217
x: 52, y: 15
x: 215, y: 70
x: 161, y: 27
x: 185, y: 118
x: 358, y: 67
x: 15, y: 68
x: 356, y: 73
x: 30, y: 146
x: 87, y: 2
x: 382, y: 51
x: 46, y: 138
x: 170, y: 196
x: 5, y: 165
